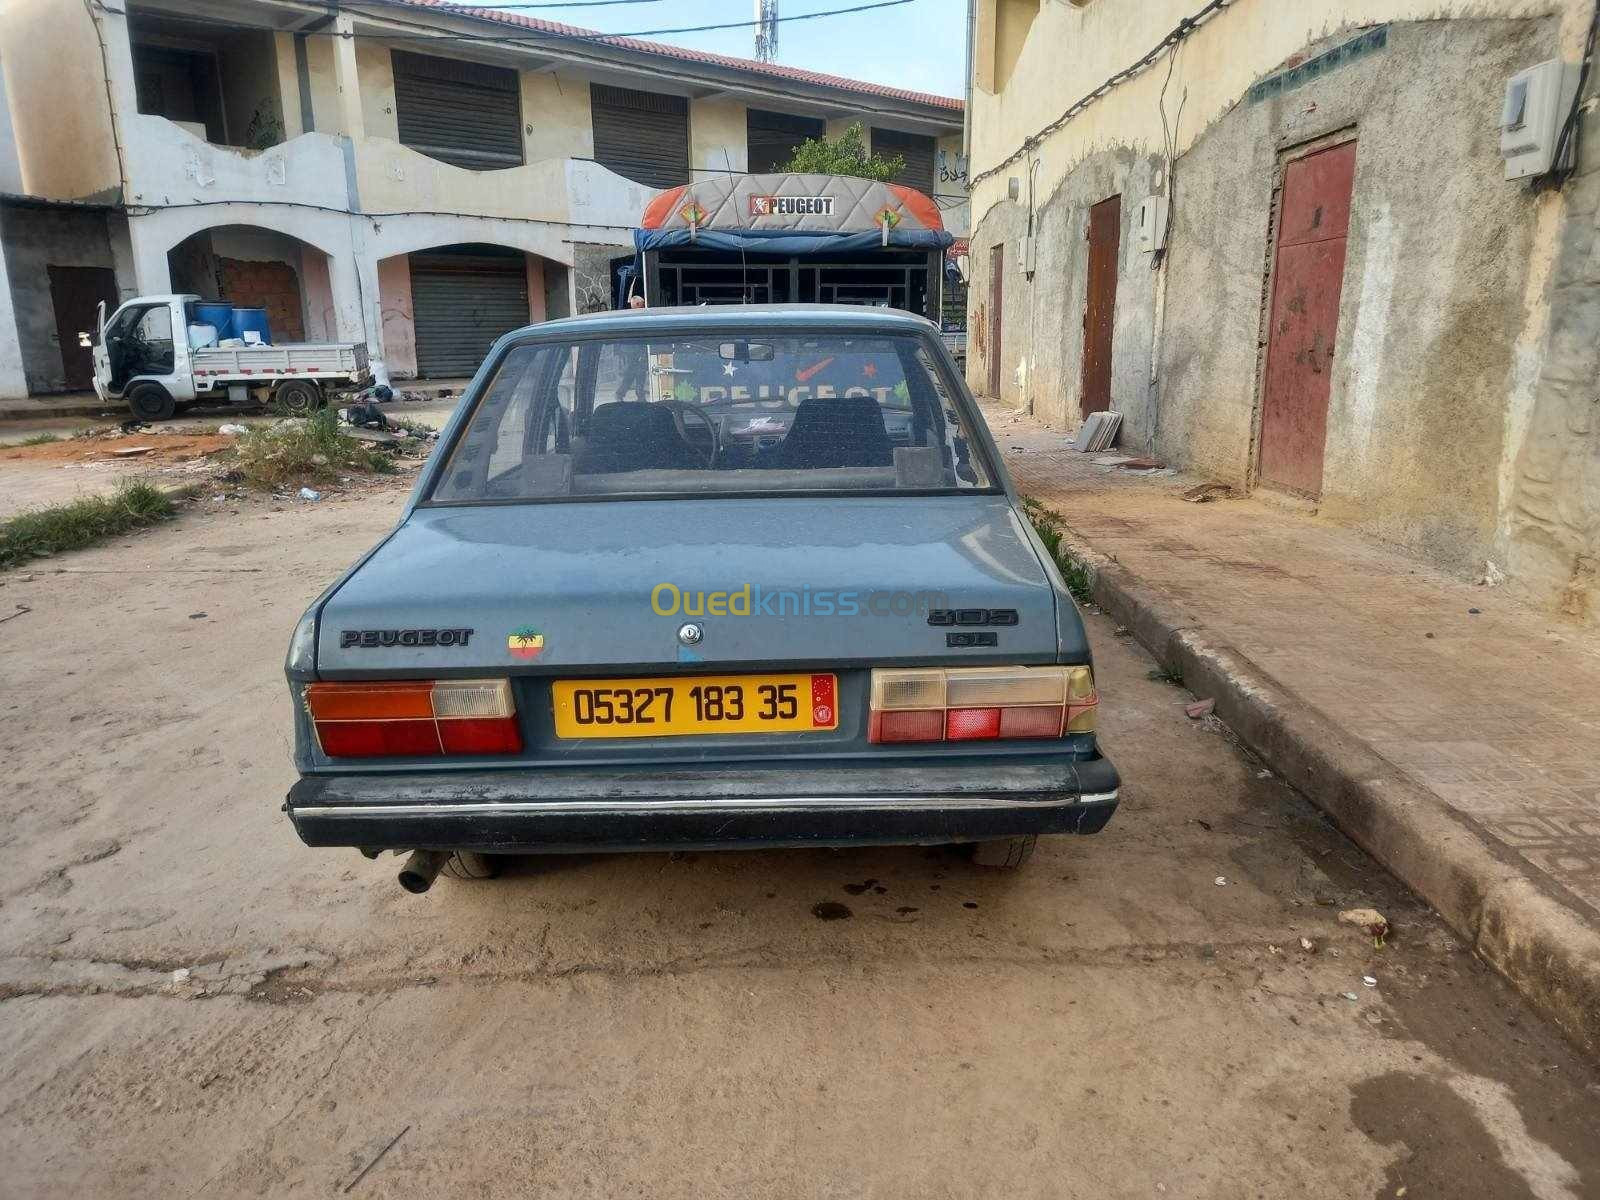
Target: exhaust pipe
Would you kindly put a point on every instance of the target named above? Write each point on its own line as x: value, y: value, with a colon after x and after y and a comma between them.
x: 421, y: 869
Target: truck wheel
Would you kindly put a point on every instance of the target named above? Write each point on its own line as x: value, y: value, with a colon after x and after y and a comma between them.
x: 298, y: 397
x: 469, y: 864
x: 1007, y: 853
x: 150, y: 402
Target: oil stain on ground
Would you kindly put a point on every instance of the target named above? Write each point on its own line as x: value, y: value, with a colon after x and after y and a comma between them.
x: 830, y: 910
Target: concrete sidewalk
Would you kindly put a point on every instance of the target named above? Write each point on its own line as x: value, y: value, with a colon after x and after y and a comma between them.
x: 1451, y: 732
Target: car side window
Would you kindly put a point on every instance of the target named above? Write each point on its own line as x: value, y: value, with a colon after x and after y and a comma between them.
x: 506, y: 426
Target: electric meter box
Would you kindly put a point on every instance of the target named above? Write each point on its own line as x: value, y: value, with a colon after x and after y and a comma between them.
x: 1537, y: 103
x: 1153, y: 224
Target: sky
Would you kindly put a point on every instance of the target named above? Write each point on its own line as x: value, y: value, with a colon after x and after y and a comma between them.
x: 920, y: 45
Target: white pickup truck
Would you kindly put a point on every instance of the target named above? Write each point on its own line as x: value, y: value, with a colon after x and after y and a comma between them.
x: 143, y: 356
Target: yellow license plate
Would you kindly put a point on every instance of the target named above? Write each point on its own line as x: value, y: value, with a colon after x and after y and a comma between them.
x: 699, y: 704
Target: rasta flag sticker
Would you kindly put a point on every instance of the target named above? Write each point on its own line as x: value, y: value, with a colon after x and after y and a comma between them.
x: 525, y: 642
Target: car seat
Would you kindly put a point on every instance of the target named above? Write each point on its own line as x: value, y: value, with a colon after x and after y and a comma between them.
x: 632, y: 435
x: 834, y: 431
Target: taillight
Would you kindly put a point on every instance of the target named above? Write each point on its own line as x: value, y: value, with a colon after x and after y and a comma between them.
x: 426, y: 718
x: 930, y: 704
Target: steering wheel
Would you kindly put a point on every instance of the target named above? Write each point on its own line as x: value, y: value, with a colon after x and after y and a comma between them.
x: 680, y: 410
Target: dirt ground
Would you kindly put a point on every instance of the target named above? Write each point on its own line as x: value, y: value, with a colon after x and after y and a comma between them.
x: 1132, y: 1015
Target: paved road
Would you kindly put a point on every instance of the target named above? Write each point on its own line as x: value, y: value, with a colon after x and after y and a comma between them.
x: 1110, y: 1022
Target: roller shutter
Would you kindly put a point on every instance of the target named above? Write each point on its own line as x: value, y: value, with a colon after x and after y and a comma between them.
x: 642, y: 136
x: 462, y: 113
x: 461, y: 302
x: 774, y: 137
x: 918, y: 151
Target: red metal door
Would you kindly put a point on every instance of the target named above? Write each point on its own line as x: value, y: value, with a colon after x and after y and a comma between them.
x: 1105, y: 234
x: 1306, y: 284
x: 997, y: 274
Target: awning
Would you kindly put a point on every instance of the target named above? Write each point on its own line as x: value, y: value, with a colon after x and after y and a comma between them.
x: 803, y: 215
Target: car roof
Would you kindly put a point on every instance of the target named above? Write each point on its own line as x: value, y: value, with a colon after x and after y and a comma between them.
x: 853, y: 317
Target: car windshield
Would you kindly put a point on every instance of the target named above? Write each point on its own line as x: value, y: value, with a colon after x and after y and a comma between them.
x: 716, y: 413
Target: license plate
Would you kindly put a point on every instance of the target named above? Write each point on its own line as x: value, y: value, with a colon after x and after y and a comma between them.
x: 700, y: 704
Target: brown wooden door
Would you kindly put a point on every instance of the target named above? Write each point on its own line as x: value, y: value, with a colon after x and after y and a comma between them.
x: 76, y: 293
x: 997, y: 276
x: 1100, y: 305
x: 1307, y: 279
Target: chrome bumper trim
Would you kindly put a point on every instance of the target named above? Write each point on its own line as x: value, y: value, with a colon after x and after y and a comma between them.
x: 770, y: 803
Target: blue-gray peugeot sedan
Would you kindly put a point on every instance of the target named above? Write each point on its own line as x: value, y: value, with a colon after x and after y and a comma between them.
x: 701, y: 578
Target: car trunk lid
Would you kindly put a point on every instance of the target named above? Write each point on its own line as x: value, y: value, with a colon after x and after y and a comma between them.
x: 555, y: 588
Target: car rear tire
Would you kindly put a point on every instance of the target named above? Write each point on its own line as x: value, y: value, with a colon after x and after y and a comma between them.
x: 469, y: 864
x: 1005, y: 854
x: 298, y: 397
x: 150, y: 402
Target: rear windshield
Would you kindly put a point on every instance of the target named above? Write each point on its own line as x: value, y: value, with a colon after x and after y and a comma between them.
x: 719, y: 414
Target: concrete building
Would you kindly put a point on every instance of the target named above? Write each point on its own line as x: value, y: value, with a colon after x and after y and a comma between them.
x: 416, y: 177
x: 1354, y: 307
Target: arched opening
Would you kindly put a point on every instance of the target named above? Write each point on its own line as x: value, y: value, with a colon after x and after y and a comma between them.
x: 443, y: 307
x: 251, y: 267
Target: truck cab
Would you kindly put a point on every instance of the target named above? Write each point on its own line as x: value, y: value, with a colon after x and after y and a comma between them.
x: 138, y: 346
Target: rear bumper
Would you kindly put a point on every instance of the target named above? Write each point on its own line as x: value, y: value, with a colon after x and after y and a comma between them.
x: 553, y: 811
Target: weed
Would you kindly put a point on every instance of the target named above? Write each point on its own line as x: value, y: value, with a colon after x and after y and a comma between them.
x: 305, y: 450
x: 1077, y: 578
x: 39, y: 439
x: 1048, y: 525
x: 416, y: 429
x: 81, y: 523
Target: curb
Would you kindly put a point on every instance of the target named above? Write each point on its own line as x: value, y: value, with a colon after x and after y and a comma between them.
x: 1548, y: 952
x: 48, y: 412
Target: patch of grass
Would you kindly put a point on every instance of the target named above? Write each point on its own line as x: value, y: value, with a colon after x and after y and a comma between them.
x: 81, y: 523
x: 305, y: 450
x: 39, y: 439
x: 1049, y: 527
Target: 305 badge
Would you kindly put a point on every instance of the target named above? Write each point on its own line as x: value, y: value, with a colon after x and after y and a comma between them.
x: 695, y: 705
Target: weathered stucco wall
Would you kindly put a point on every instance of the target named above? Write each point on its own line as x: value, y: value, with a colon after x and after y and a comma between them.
x: 1214, y: 66
x: 399, y: 324
x: 719, y: 139
x: 67, y: 149
x: 556, y: 121
x: 35, y: 239
x: 1042, y: 318
x: 1550, y: 531
x: 1462, y: 421
x: 591, y: 277
x: 1434, y: 296
x: 375, y: 65
x: 10, y: 164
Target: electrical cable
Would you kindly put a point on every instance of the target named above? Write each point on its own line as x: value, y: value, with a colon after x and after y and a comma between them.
x: 551, y: 39
x: 1569, y: 128
x: 1179, y: 33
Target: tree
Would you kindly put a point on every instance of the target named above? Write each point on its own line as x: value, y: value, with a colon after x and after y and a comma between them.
x: 845, y: 155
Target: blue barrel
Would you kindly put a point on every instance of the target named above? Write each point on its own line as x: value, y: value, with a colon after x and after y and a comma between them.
x: 219, y: 316
x: 252, y: 319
